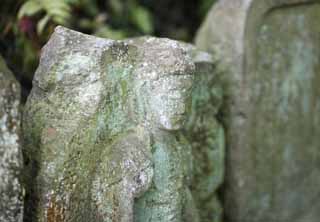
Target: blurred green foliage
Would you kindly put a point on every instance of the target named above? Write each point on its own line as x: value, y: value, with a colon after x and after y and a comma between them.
x: 25, y: 25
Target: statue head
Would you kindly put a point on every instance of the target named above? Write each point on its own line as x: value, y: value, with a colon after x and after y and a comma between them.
x: 163, y: 79
x: 149, y: 82
x: 167, y: 99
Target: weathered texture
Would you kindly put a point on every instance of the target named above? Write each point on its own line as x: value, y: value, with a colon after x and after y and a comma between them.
x: 205, y: 133
x: 164, y: 90
x: 78, y: 133
x: 11, y: 199
x: 100, y: 131
x: 272, y: 50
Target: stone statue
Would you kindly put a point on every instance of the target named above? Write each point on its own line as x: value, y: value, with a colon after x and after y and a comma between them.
x: 163, y: 83
x: 205, y: 133
x: 101, y: 131
x: 11, y: 190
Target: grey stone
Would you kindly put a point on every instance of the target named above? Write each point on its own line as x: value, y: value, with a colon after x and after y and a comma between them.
x: 102, y: 131
x: 11, y: 191
x: 206, y: 134
x: 271, y: 49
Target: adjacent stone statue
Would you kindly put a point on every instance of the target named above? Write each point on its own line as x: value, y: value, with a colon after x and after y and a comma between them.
x: 11, y: 190
x: 205, y: 133
x: 103, y: 127
x: 163, y: 83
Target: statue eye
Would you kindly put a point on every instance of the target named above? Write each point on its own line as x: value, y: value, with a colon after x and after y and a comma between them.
x: 137, y: 179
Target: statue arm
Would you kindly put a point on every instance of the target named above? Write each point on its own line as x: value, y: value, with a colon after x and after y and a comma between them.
x: 127, y: 168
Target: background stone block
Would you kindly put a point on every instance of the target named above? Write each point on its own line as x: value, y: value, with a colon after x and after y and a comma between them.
x: 272, y: 50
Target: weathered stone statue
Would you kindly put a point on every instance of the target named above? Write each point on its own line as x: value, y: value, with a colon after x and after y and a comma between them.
x: 206, y: 135
x: 163, y: 84
x: 101, y: 128
x: 11, y: 190
x: 271, y: 49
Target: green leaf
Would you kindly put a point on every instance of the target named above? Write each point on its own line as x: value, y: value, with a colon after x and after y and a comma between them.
x: 73, y: 2
x: 42, y: 24
x: 59, y: 10
x: 142, y: 18
x: 116, y: 6
x: 58, y: 4
x: 107, y: 32
x: 29, y: 8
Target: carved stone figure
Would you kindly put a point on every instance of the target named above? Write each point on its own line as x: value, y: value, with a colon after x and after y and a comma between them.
x: 101, y: 123
x: 11, y: 190
x: 164, y: 79
x: 205, y: 133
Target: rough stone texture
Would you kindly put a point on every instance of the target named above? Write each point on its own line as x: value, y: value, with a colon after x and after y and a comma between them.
x: 205, y: 156
x: 11, y: 203
x: 272, y: 51
x: 205, y: 133
x: 101, y: 127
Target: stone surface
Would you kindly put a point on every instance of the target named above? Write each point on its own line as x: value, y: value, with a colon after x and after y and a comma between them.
x: 205, y: 133
x: 101, y: 127
x: 11, y: 191
x: 272, y: 51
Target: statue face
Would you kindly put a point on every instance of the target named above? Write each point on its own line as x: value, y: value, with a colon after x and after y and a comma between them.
x: 169, y: 100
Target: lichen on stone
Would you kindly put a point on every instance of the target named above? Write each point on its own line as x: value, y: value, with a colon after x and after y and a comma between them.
x: 103, y: 127
x: 11, y: 190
